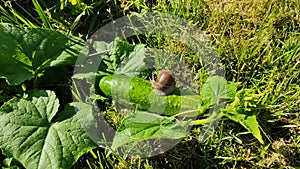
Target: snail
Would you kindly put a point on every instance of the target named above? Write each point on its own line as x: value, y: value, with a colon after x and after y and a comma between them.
x: 164, y: 84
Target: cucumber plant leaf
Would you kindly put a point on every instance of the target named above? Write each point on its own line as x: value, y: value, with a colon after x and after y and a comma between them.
x: 213, y: 92
x: 34, y: 134
x: 27, y: 52
x: 214, y: 89
x: 244, y: 110
x: 112, y: 54
x: 120, y: 57
x: 135, y: 64
x: 144, y: 126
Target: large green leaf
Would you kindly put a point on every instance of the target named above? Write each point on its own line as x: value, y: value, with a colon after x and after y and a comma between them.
x: 26, y: 52
x: 244, y: 111
x: 30, y: 134
x: 144, y: 126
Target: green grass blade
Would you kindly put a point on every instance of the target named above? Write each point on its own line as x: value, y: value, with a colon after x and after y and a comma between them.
x: 23, y: 19
x: 7, y: 17
x: 16, y: 14
x: 75, y: 23
x: 91, y: 26
x: 42, y: 15
x: 33, y: 19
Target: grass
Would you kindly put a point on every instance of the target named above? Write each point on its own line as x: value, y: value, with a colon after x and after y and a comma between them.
x: 259, y: 43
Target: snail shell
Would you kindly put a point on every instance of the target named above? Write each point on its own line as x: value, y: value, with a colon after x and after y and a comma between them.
x: 164, y: 84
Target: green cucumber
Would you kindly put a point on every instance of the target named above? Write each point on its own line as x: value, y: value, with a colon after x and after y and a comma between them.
x: 137, y: 93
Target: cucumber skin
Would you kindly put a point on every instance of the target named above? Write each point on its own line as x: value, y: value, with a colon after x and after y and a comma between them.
x: 137, y: 93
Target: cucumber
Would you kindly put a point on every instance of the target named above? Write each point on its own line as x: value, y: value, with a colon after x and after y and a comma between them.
x: 137, y: 93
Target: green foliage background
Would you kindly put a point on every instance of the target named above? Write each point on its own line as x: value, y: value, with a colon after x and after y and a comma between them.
x: 259, y: 42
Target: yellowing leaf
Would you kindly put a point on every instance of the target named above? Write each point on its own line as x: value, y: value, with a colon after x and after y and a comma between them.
x: 73, y: 2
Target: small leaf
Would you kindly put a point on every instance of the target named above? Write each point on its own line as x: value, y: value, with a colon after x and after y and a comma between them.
x: 134, y: 65
x: 246, y: 116
x: 112, y: 54
x: 30, y: 134
x: 120, y: 57
x: 214, y: 89
x: 73, y: 2
x: 217, y: 87
x: 7, y: 162
x: 23, y: 87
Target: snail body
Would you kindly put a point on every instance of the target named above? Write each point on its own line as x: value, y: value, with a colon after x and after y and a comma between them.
x: 164, y: 84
